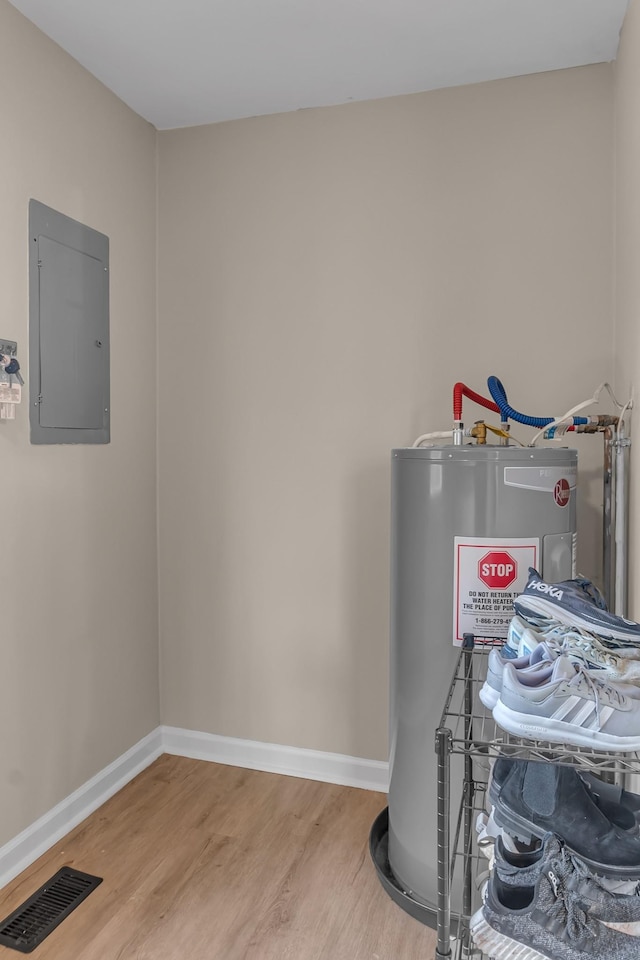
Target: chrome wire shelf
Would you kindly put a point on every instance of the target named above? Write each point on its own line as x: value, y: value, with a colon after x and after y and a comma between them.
x: 474, y: 732
x: 467, y: 729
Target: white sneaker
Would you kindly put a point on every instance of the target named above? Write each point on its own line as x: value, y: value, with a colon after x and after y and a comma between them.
x: 612, y: 666
x: 525, y: 643
x: 522, y: 638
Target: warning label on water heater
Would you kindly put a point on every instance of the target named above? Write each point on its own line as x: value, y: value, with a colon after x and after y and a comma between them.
x: 488, y: 575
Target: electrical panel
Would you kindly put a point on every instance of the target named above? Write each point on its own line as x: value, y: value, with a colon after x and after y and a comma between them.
x: 69, y: 395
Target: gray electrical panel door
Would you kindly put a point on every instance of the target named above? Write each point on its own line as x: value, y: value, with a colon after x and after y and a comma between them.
x: 69, y: 329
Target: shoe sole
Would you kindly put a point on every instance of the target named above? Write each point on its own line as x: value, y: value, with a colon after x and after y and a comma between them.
x: 497, y: 945
x: 537, y: 606
x: 549, y: 730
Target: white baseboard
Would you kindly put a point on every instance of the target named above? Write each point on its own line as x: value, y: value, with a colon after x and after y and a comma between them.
x: 23, y: 850
x: 19, y: 853
x: 274, y: 758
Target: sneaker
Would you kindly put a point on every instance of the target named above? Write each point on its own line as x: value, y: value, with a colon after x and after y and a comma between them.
x: 545, y: 922
x: 538, y: 662
x: 619, y: 667
x: 612, y: 667
x: 571, y: 707
x: 536, y: 798
x: 583, y: 591
x: 619, y: 806
x: 574, y: 606
x: 523, y: 638
x: 616, y: 900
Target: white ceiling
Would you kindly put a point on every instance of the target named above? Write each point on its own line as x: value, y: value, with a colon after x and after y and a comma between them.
x: 185, y: 62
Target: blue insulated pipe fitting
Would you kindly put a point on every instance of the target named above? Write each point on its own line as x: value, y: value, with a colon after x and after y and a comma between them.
x: 499, y: 395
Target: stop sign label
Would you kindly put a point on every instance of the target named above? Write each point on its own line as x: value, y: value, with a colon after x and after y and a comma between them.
x: 497, y: 569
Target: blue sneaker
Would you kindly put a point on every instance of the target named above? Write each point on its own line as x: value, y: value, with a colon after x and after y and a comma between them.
x: 575, y: 603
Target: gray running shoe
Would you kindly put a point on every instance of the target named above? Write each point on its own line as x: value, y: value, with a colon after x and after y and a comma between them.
x: 571, y: 707
x: 619, y: 666
x: 545, y: 922
x: 602, y: 897
x: 539, y: 662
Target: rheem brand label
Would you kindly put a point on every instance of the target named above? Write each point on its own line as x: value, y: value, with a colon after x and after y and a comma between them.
x: 562, y: 492
x: 488, y: 575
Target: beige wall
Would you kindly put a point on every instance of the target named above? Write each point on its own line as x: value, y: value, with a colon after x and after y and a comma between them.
x: 325, y: 277
x: 79, y: 597
x: 627, y: 248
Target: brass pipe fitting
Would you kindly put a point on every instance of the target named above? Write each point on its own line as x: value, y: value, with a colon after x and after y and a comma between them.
x: 479, y: 432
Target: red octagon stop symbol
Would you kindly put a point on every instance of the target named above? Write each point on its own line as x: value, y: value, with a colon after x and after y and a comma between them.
x: 497, y: 569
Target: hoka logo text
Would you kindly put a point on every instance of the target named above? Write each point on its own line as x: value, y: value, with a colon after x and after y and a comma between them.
x: 545, y: 588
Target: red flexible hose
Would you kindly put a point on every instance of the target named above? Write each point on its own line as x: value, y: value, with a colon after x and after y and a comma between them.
x: 461, y: 390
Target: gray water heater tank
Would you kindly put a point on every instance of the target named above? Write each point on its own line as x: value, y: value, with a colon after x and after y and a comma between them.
x: 467, y: 522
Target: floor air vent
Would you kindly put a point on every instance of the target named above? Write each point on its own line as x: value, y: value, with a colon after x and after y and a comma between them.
x: 27, y: 926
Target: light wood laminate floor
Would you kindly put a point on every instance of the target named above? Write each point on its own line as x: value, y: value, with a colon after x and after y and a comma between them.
x: 213, y: 862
